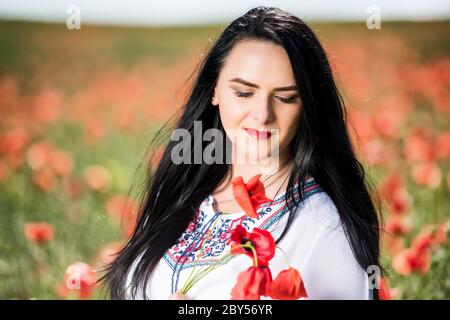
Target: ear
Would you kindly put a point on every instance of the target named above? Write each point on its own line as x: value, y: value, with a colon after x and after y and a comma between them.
x: 215, y: 99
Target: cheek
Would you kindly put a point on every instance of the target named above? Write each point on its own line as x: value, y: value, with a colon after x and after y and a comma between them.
x: 232, y: 113
x: 288, y: 120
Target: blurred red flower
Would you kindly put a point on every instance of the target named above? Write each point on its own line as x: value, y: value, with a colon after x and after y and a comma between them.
x: 424, y: 240
x: 427, y: 174
x: 384, y: 293
x: 46, y: 106
x: 13, y: 141
x: 387, y: 120
x: 418, y: 256
x: 440, y: 233
x: 394, y: 192
x: 156, y: 156
x: 80, y: 279
x: 47, y: 162
x: 123, y: 210
x: 400, y: 201
x: 120, y: 208
x: 411, y: 259
x: 432, y: 236
x: 61, y: 163
x: 448, y: 180
x: 108, y: 253
x: 128, y: 228
x: 12, y: 145
x: 397, y: 225
x: 38, y: 154
x: 442, y: 145
x: 3, y: 171
x: 97, y: 178
x: 418, y: 146
x: 44, y: 179
x: 39, y: 232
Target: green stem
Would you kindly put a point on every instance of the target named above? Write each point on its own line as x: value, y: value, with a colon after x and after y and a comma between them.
x: 203, y: 273
x: 249, y: 245
x: 191, y: 282
x: 200, y: 276
x: 201, y: 253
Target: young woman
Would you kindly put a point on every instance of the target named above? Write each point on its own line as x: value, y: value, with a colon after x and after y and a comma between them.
x: 266, y: 71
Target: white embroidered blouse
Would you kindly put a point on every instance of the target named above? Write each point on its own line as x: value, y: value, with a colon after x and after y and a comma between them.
x: 315, y: 244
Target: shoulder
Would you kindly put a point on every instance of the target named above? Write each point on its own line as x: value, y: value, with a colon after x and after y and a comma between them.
x: 320, y: 210
x: 323, y: 253
x: 315, y: 222
x: 316, y: 213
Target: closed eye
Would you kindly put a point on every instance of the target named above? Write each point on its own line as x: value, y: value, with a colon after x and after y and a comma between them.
x: 292, y: 99
x: 241, y: 94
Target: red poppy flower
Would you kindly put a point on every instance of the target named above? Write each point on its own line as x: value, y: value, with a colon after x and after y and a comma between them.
x: 424, y: 240
x: 384, y: 291
x: 109, y: 252
x: 394, y: 192
x: 61, y: 163
x: 288, y: 285
x: 121, y: 208
x: 38, y: 154
x: 412, y: 259
x: 80, y: 279
x: 249, y: 195
x: 44, y: 179
x: 252, y: 284
x: 39, y: 232
x: 47, y: 106
x: 440, y: 234
x: 261, y: 240
x: 97, y: 178
x: 397, y: 225
x: 13, y: 142
x: 3, y: 171
x: 427, y: 174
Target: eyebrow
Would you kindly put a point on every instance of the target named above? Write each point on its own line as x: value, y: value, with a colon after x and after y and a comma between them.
x: 249, y: 84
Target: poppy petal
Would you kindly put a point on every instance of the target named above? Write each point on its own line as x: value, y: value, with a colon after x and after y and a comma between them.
x: 252, y: 284
x: 288, y: 285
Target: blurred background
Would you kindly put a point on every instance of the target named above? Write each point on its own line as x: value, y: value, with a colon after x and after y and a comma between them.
x: 84, y: 85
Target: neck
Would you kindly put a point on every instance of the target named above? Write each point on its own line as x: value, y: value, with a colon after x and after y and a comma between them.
x: 266, y: 166
x: 274, y: 180
x: 247, y: 171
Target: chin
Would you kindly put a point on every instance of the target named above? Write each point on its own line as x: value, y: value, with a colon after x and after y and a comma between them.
x: 254, y: 153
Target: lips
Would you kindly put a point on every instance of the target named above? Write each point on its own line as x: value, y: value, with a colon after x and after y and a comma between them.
x: 258, y: 134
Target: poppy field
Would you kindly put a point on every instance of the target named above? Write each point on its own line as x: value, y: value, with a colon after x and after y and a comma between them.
x: 78, y: 109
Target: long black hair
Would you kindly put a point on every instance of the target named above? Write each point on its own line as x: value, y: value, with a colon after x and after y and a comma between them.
x: 321, y: 148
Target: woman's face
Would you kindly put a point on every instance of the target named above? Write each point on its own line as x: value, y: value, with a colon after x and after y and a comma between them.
x: 255, y: 93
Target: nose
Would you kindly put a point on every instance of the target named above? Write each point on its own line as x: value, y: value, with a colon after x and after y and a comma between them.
x: 263, y: 113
